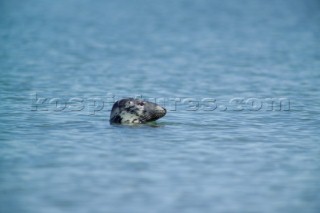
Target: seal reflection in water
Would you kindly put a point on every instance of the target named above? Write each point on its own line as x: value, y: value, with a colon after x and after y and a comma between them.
x: 134, y: 111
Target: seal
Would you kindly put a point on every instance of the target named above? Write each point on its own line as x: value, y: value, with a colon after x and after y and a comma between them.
x: 135, y: 111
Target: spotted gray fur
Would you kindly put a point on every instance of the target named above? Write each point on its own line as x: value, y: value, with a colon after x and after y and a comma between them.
x: 134, y: 111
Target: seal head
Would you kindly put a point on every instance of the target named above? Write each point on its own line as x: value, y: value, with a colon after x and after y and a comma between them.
x: 134, y: 111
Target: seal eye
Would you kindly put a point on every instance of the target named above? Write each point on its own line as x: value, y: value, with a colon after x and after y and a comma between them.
x: 141, y: 104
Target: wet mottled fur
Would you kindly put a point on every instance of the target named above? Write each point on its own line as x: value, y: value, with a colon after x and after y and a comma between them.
x: 134, y: 111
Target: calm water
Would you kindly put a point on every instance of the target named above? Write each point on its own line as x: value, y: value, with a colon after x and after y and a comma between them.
x: 63, y: 156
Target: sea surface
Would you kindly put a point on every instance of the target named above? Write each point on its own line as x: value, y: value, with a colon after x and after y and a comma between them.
x: 239, y: 78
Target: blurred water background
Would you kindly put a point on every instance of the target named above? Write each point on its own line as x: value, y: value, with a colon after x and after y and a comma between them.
x: 63, y: 156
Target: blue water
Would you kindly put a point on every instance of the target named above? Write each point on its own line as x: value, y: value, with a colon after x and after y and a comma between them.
x: 63, y: 63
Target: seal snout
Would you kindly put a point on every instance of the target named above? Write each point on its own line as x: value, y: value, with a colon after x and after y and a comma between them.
x: 161, y: 111
x: 153, y: 112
